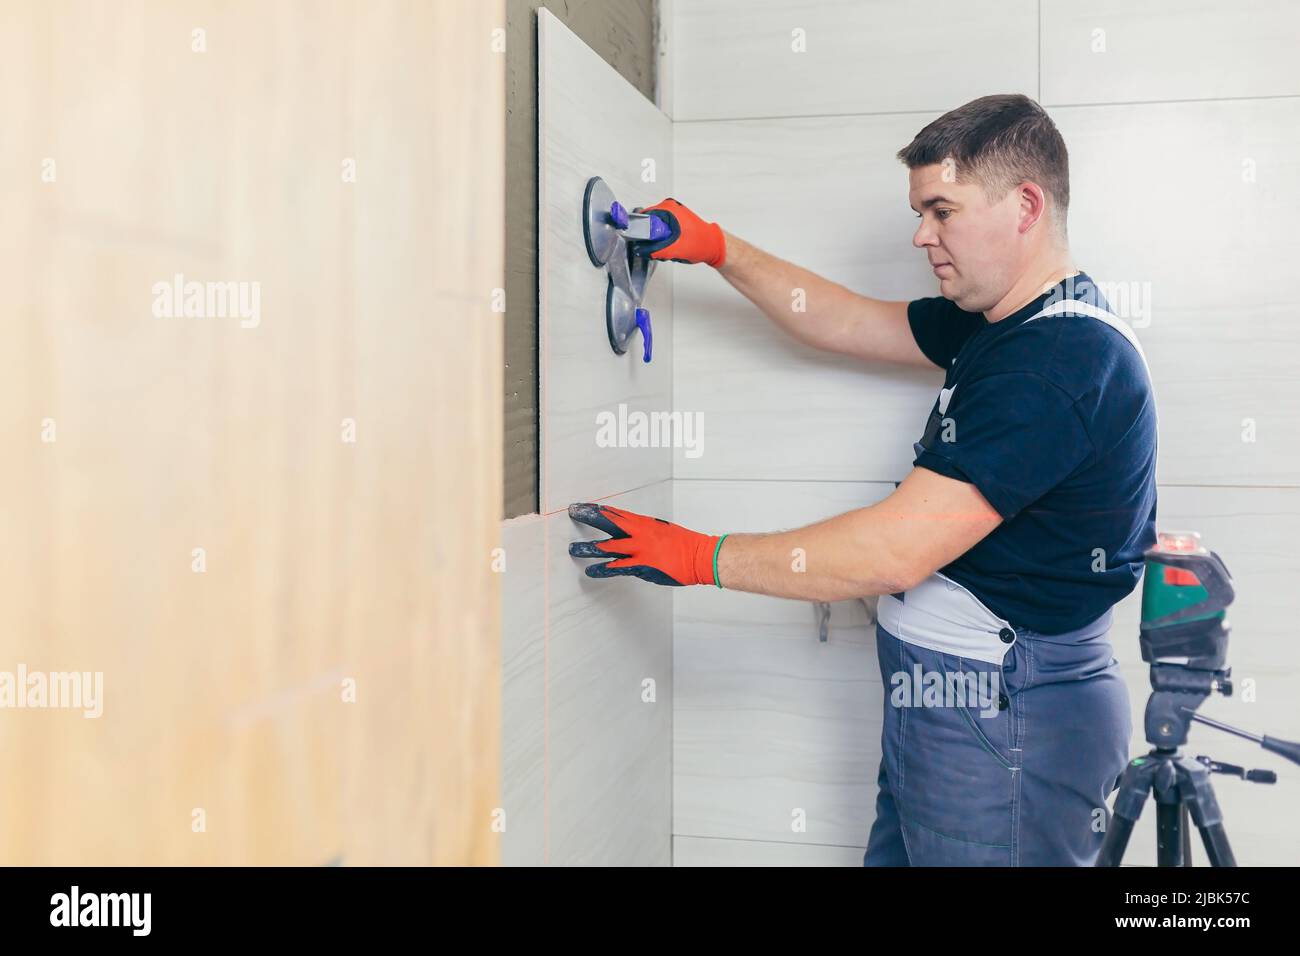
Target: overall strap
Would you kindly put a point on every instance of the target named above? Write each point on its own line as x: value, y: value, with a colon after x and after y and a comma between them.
x: 1110, y: 318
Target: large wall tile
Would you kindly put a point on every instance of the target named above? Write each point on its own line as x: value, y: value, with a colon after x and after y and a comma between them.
x: 610, y: 749
x: 592, y: 122
x: 586, y: 762
x: 829, y: 195
x: 768, y: 720
x: 1111, y: 51
x: 523, y: 691
x: 737, y: 58
x: 1163, y: 203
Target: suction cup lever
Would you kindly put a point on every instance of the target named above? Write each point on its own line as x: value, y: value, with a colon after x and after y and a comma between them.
x: 638, y: 226
x: 643, y: 323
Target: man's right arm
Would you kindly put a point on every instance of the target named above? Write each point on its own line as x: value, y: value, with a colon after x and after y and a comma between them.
x: 834, y: 319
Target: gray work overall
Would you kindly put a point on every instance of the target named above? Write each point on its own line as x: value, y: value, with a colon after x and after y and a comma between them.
x: 1010, y: 760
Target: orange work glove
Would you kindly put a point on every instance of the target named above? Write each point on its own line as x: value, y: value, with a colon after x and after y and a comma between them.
x: 651, y: 549
x: 692, y: 239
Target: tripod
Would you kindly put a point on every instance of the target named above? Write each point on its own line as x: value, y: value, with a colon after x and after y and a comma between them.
x: 1180, y: 785
x: 1184, y: 636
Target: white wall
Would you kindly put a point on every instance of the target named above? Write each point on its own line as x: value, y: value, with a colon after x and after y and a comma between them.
x: 1183, y: 124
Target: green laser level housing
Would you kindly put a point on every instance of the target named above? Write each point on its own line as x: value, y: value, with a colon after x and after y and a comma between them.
x: 1185, y: 593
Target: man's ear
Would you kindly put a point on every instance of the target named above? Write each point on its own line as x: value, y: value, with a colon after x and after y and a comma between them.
x: 1033, y: 205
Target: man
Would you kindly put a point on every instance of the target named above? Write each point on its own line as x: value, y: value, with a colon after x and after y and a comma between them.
x: 1023, y: 521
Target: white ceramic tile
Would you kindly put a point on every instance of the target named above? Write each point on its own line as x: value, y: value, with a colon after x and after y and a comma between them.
x: 703, y: 851
x: 591, y: 122
x: 739, y: 58
x: 1212, y: 306
x: 1108, y: 51
x: 610, y: 751
x: 586, y: 763
x: 768, y: 720
x: 829, y: 195
x: 523, y: 687
x: 1161, y: 203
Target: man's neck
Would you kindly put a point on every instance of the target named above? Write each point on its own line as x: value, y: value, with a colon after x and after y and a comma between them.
x: 1031, y: 286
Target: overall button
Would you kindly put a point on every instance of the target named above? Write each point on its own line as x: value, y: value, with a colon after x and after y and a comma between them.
x: 1003, y: 702
x: 1007, y: 635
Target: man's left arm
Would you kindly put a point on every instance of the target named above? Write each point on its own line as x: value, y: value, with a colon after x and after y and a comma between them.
x: 928, y: 521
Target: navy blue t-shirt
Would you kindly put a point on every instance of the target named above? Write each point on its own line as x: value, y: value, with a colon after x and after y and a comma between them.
x: 1054, y: 422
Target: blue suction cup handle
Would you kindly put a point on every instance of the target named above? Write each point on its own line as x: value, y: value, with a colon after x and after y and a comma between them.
x: 643, y: 323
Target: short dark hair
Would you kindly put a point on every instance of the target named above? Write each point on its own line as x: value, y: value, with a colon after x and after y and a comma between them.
x: 998, y: 142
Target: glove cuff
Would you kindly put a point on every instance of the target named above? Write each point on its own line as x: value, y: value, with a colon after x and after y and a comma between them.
x: 705, y: 564
x: 721, y: 241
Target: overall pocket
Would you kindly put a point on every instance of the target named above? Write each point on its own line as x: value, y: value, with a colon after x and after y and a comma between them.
x: 982, y: 700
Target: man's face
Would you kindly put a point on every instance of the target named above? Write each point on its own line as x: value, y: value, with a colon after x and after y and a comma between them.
x: 975, y: 246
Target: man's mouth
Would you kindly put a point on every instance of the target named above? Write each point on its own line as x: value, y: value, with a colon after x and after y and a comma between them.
x: 940, y: 265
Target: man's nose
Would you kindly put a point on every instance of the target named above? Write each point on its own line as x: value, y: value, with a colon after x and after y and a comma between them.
x: 924, y: 236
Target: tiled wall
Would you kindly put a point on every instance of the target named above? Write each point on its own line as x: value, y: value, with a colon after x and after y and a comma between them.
x: 1183, y: 123
x: 587, y: 669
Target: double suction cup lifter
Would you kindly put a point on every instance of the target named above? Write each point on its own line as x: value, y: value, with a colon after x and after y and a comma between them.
x: 609, y: 230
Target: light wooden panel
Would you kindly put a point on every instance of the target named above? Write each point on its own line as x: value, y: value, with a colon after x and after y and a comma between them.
x: 592, y: 122
x: 326, y: 560
x: 737, y: 58
x: 768, y: 719
x: 1117, y: 51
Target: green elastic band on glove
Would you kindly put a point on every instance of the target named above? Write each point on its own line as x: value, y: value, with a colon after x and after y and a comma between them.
x: 716, y: 548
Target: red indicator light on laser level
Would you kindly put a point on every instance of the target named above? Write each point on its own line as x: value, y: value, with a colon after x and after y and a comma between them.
x: 1180, y: 577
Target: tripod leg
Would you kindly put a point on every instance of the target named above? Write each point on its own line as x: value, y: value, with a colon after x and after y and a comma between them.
x: 1216, y: 845
x: 1169, y: 834
x: 1198, y: 796
x: 1115, y: 842
x: 1134, y: 786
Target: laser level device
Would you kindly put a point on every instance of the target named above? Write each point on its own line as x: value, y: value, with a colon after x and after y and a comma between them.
x: 1183, y: 635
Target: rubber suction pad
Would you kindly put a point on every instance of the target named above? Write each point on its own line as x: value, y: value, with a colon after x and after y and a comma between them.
x: 600, y: 235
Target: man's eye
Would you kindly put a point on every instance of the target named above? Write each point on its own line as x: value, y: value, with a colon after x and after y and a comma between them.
x: 943, y: 213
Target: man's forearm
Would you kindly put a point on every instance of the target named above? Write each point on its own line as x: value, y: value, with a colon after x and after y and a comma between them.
x: 813, y: 309
x: 844, y: 557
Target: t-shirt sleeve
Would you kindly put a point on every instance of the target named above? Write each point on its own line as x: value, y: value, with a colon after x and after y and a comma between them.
x: 1014, y: 435
x: 941, y: 328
